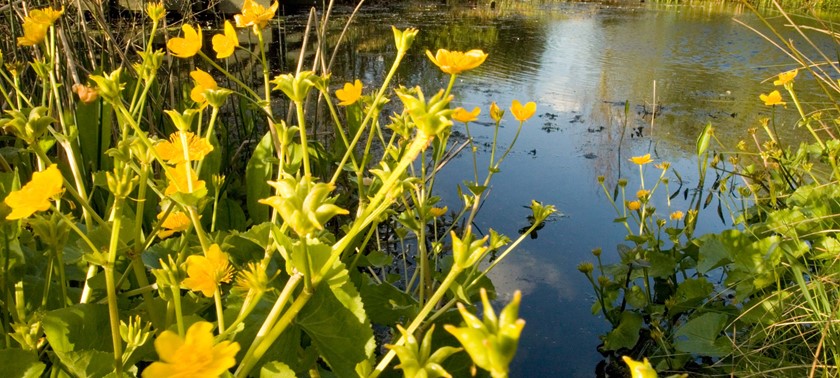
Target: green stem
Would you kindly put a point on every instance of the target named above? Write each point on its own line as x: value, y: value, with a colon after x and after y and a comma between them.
x: 303, y: 141
x: 418, y: 320
x: 255, y: 352
x: 220, y: 311
x: 369, y: 114
x: 110, y: 283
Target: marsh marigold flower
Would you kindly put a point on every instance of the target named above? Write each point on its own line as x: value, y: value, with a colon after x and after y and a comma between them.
x: 224, y: 44
x: 33, y: 33
x: 462, y: 115
x: 522, y: 112
x: 187, y: 46
x: 206, y: 272
x: 786, y: 77
x: 639, y: 369
x: 203, y: 81
x: 180, y: 183
x: 455, y: 62
x: 255, y: 15
x: 350, y: 93
x: 196, y: 355
x: 677, y: 215
x: 172, y: 150
x: 496, y: 113
x: 772, y: 98
x: 438, y: 211
x: 641, y: 160
x: 36, y: 194
x: 177, y: 221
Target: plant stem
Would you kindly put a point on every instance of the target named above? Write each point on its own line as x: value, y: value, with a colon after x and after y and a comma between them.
x: 113, y: 310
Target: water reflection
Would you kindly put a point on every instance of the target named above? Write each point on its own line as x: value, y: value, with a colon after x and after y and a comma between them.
x: 610, y: 82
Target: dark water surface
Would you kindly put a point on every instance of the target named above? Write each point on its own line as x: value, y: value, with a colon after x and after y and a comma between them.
x: 580, y: 63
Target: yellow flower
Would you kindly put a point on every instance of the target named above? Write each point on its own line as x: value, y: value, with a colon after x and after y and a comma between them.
x: 495, y: 112
x: 192, y: 356
x: 773, y: 98
x: 36, y: 194
x: 350, y: 93
x: 641, y: 160
x: 255, y: 15
x: 640, y: 369
x: 203, y: 81
x: 187, y: 46
x: 438, y: 211
x: 634, y: 205
x: 677, y: 215
x: 642, y: 193
x: 177, y: 221
x: 172, y: 150
x: 224, y: 44
x: 204, y: 273
x: 462, y: 115
x: 45, y: 16
x: 33, y: 33
x: 455, y: 62
x: 786, y: 77
x: 179, y: 183
x: 522, y: 113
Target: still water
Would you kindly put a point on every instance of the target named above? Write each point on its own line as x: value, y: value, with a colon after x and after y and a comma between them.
x: 581, y: 63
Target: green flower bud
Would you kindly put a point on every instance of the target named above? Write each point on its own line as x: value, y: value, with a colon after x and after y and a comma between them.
x: 296, y: 87
x: 417, y: 360
x: 431, y: 118
x: 133, y: 333
x: 182, y: 121
x: 109, y: 86
x: 217, y: 97
x: 585, y: 267
x: 467, y: 252
x: 404, y: 38
x: 491, y: 343
x: 303, y: 205
x: 27, y: 124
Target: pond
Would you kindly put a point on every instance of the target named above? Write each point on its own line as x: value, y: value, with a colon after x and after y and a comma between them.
x: 581, y: 63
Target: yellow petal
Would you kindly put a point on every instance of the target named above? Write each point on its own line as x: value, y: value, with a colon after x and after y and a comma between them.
x: 462, y: 115
x: 350, y: 93
x: 522, y: 113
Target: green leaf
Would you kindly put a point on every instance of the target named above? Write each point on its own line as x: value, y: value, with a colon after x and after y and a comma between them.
x: 388, y: 305
x: 257, y: 173
x: 690, y: 294
x: 626, y: 335
x: 276, y: 369
x: 337, y: 324
x: 94, y: 126
x: 20, y: 363
x: 76, y: 335
x: 712, y: 254
x: 702, y: 336
x: 212, y: 163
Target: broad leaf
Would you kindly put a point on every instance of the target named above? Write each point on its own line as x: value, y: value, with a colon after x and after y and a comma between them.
x: 276, y: 369
x: 76, y: 335
x: 20, y: 363
x: 702, y: 336
x: 626, y: 334
x: 337, y: 324
x: 257, y: 173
